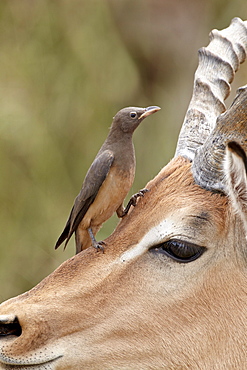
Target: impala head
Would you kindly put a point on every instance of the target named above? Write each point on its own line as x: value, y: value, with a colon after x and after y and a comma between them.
x: 170, y: 289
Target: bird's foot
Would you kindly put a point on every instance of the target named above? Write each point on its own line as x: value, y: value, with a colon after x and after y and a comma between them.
x: 133, y: 200
x: 97, y: 245
x: 135, y: 196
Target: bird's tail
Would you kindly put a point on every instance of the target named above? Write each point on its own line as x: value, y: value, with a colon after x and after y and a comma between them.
x: 63, y: 237
x: 66, y: 234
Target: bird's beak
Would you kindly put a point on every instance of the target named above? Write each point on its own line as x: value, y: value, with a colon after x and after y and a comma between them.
x: 148, y: 111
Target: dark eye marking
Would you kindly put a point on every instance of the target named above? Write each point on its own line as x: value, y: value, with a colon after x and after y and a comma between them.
x: 133, y: 114
x: 179, y: 250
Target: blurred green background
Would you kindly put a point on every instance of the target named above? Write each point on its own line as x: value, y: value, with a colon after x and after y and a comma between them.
x: 66, y: 67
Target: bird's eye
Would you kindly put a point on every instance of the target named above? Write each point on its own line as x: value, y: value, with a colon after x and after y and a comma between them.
x: 179, y: 250
x: 133, y: 114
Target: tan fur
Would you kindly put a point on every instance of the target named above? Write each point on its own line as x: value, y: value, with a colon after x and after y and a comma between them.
x: 143, y: 310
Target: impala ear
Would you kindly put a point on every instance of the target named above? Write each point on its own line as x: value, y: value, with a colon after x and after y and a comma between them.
x: 235, y: 168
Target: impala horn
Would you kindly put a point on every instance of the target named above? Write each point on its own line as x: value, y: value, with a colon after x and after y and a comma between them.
x: 218, y: 63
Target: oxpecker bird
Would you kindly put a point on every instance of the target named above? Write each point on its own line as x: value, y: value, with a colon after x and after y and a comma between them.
x: 107, y: 181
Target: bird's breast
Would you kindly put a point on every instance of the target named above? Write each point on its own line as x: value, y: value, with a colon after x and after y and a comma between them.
x: 110, y: 196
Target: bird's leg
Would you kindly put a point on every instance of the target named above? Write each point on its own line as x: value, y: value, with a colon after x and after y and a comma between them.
x: 95, y: 244
x: 132, y: 202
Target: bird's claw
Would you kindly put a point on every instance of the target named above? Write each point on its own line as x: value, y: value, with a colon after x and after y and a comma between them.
x: 99, y: 246
x: 133, y: 201
x: 135, y: 196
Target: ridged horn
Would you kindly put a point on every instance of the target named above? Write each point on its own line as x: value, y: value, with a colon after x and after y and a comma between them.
x: 208, y: 164
x: 218, y: 63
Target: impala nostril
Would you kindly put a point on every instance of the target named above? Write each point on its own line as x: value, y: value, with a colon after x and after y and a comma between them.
x: 9, y: 325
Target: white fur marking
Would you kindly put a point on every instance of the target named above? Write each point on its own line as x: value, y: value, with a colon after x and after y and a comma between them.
x: 154, y: 236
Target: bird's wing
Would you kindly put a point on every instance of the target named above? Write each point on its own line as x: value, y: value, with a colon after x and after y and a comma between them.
x: 90, y: 187
x: 94, y: 179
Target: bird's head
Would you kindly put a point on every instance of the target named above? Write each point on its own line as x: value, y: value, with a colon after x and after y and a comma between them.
x: 128, y: 119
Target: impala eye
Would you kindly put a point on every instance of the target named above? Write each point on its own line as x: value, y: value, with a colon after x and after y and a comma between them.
x: 179, y: 250
x: 133, y: 114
